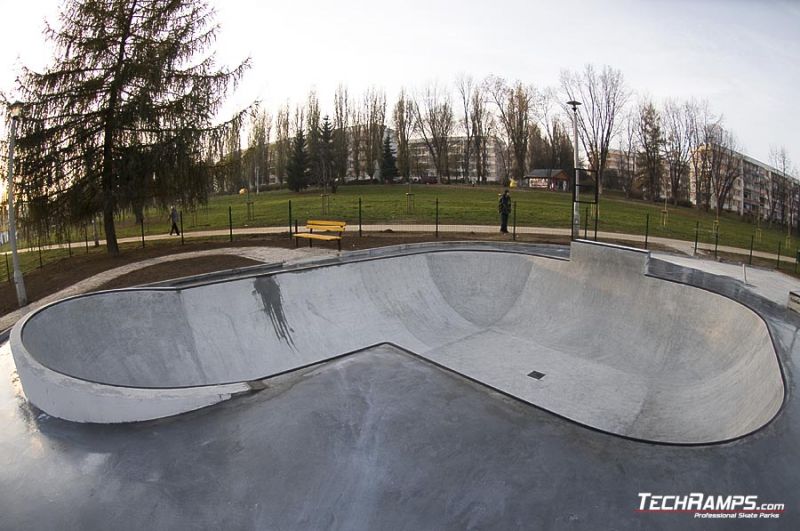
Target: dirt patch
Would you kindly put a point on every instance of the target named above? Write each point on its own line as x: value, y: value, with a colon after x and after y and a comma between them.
x: 55, y: 276
x: 178, y: 268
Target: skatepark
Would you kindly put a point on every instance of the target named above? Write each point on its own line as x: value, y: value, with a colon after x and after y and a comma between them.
x: 421, y: 386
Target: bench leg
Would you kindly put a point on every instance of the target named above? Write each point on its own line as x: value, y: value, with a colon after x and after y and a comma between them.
x: 295, y: 241
x: 309, y: 242
x: 339, y: 241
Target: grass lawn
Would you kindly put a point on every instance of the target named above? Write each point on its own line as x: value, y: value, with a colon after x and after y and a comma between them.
x: 462, y: 205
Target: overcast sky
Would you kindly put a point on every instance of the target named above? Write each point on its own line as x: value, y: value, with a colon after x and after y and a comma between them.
x: 741, y: 55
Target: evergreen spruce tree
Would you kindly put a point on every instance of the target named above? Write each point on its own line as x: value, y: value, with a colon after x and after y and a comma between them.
x: 125, y: 113
x: 297, y: 173
x: 325, y: 149
x: 388, y: 162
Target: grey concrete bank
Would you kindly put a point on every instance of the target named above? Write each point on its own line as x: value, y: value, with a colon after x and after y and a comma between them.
x: 595, y: 339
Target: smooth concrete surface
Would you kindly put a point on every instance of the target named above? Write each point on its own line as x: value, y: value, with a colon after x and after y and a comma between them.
x: 385, y: 440
x: 621, y: 351
x: 377, y: 440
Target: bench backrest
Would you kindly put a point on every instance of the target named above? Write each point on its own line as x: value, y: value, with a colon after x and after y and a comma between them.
x: 326, y: 225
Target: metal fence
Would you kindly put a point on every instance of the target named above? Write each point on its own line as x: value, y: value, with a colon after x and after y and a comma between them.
x: 427, y: 216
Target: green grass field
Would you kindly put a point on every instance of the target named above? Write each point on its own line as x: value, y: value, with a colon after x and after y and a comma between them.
x: 465, y: 205
x: 462, y: 205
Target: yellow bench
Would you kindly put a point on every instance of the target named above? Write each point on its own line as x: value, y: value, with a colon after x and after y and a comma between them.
x: 322, y: 226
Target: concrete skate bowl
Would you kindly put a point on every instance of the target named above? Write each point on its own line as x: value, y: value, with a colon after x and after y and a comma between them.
x: 592, y: 339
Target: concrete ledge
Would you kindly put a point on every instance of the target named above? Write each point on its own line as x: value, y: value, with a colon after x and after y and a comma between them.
x: 609, y: 257
x: 794, y: 301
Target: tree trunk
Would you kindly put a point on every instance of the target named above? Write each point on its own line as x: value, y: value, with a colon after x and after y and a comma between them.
x: 108, y: 191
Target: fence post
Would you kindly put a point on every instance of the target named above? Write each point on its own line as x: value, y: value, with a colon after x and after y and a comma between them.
x: 69, y: 244
x: 716, y: 242
x: 586, y: 224
x: 41, y: 264
x: 290, y: 218
x: 359, y: 218
x: 696, y: 235
x: 646, y: 229
x: 752, y: 238
x: 8, y: 271
x: 142, y: 226
x: 596, y: 219
x: 180, y: 214
x: 514, y: 233
x: 437, y: 217
x: 230, y: 221
x: 86, y: 237
x: 778, y: 266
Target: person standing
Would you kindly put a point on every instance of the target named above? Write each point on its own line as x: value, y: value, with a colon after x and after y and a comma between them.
x: 504, y: 206
x: 173, y: 216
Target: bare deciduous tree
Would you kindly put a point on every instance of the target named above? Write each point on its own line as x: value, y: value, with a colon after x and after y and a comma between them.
x: 281, y: 142
x: 374, y: 112
x: 628, y: 147
x: 260, y: 134
x: 556, y: 133
x: 466, y: 90
x: 481, y: 123
x: 782, y: 190
x: 603, y: 96
x: 433, y: 121
x: 341, y: 122
x: 677, y: 148
x: 404, y: 125
x: 313, y: 118
x: 356, y: 141
x: 723, y: 164
x: 650, y: 140
x: 515, y: 106
x: 699, y: 122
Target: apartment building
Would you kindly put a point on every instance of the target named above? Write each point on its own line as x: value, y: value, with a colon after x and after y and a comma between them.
x: 758, y: 190
x: 423, y: 168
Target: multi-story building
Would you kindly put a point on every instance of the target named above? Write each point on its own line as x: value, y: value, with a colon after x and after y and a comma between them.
x: 758, y: 189
x: 423, y: 167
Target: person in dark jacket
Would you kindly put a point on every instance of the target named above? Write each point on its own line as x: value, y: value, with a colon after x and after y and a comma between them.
x: 504, y: 206
x: 173, y: 216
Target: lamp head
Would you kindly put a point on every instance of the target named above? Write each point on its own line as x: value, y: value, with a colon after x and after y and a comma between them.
x: 574, y: 104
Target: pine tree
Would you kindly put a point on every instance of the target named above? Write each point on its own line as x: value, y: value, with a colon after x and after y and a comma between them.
x: 325, y: 150
x: 388, y: 162
x: 297, y: 174
x: 125, y: 112
x: 649, y: 158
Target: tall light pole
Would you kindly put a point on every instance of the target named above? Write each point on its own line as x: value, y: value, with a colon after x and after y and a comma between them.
x: 576, y: 212
x: 15, y: 111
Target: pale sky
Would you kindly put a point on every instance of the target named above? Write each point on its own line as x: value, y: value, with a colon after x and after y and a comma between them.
x: 741, y: 55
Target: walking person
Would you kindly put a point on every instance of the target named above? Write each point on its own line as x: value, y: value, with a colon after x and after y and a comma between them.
x: 504, y: 206
x: 173, y: 216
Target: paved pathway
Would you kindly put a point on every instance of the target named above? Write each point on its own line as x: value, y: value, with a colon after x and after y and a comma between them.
x: 637, y: 240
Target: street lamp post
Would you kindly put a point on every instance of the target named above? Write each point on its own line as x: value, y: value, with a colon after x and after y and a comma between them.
x: 576, y: 213
x: 15, y: 111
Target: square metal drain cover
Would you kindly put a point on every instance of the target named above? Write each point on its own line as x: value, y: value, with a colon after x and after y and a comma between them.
x: 536, y: 374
